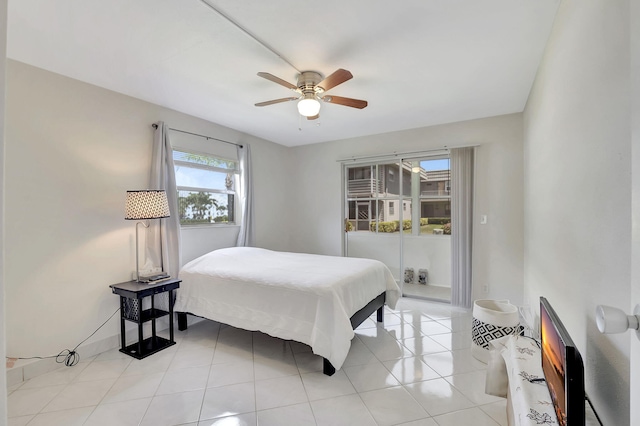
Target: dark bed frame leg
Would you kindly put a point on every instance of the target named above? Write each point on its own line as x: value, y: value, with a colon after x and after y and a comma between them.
x: 327, y: 368
x: 182, y: 321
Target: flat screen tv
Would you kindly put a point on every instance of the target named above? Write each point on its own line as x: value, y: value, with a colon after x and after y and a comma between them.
x: 563, y: 368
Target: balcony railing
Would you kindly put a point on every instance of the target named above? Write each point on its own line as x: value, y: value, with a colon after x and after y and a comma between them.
x: 358, y: 187
x: 436, y: 193
x: 370, y: 187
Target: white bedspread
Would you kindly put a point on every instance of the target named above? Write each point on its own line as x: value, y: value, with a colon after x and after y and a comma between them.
x: 302, y: 297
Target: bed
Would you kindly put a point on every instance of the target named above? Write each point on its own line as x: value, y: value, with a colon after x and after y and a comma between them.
x: 313, y: 299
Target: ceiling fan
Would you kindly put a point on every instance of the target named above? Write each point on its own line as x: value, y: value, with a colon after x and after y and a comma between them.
x: 311, y: 88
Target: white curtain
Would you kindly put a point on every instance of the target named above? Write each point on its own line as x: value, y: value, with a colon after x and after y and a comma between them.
x: 244, y: 191
x: 462, y: 173
x: 163, y: 235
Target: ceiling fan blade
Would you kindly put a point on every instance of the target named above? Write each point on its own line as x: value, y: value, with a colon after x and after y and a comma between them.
x: 338, y: 77
x: 275, y: 101
x: 350, y: 102
x: 314, y: 117
x: 278, y: 80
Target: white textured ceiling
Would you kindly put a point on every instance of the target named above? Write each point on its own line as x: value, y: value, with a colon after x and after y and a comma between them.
x: 417, y: 62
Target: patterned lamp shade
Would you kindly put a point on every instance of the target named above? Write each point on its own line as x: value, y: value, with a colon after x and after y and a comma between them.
x: 146, y: 204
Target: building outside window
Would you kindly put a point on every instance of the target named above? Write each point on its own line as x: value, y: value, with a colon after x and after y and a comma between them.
x: 373, y: 190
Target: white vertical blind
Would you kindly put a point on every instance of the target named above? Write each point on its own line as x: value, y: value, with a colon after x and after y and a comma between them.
x: 462, y: 177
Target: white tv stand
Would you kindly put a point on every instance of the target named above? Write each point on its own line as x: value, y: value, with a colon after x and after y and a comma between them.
x: 528, y: 399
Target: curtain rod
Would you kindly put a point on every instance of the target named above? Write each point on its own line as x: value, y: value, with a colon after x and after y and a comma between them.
x: 444, y: 149
x: 394, y: 155
x: 155, y: 126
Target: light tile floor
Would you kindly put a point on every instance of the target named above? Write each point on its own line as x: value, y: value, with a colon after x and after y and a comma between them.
x: 416, y: 370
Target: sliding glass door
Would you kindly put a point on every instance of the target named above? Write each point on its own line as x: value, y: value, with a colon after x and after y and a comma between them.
x: 399, y: 212
x: 372, y: 213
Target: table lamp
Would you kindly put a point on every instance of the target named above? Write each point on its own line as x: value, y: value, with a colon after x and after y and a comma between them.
x: 144, y: 205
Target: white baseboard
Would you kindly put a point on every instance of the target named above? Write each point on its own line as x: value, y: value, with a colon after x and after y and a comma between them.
x: 25, y: 369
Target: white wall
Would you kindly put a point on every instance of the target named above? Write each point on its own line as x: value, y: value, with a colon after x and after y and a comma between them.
x: 198, y: 240
x: 577, y: 188
x: 3, y: 346
x: 72, y: 150
x: 431, y: 252
x: 498, y: 255
x: 634, y: 20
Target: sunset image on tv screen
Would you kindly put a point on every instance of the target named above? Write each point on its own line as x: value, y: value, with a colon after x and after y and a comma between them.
x: 553, y: 359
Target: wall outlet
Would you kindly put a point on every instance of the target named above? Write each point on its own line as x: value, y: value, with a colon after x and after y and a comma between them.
x: 483, y: 219
x: 485, y: 288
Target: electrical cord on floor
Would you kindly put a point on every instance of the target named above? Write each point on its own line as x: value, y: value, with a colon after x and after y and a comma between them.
x: 69, y: 357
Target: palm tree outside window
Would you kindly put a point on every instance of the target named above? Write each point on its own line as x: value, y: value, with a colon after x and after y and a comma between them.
x: 205, y: 184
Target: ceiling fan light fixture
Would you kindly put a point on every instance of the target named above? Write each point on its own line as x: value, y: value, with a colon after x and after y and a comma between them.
x: 309, y: 106
x: 310, y: 89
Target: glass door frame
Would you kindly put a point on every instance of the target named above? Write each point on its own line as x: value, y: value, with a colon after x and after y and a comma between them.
x: 413, y: 197
x: 345, y: 205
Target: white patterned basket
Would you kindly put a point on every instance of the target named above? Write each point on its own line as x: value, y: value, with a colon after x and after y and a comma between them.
x: 492, y: 319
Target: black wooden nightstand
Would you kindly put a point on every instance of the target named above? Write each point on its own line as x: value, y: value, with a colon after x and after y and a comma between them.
x: 161, y: 297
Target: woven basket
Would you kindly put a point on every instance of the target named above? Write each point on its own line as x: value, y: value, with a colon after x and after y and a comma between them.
x: 492, y: 319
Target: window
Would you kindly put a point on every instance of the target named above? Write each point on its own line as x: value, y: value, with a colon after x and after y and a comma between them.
x: 368, y: 195
x: 206, y: 188
x: 421, y: 184
x: 435, y: 194
x: 357, y: 173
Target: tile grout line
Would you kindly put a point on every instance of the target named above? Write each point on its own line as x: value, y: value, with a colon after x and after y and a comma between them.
x: 206, y: 387
x: 392, y: 341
